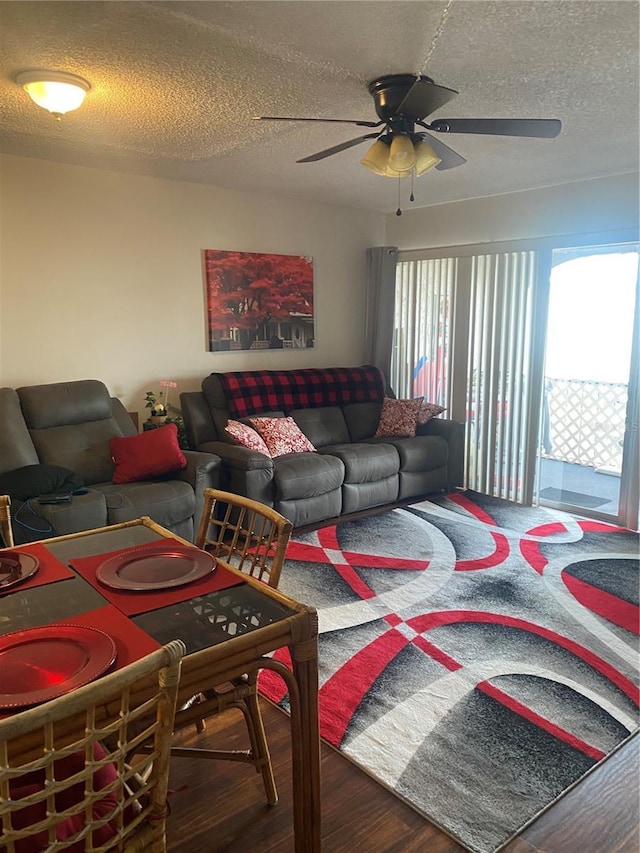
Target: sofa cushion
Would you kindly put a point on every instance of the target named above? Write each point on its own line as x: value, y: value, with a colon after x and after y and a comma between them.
x: 420, y: 453
x: 168, y: 502
x: 84, y: 448
x: 365, y: 463
x: 246, y: 436
x: 63, y: 403
x: 84, y: 512
x: 306, y: 475
x: 311, y: 510
x: 362, y: 419
x: 398, y: 417
x: 359, y: 496
x: 322, y: 425
x: 147, y: 455
x: 71, y: 424
x: 282, y: 435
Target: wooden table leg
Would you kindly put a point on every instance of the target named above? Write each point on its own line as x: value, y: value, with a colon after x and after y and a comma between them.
x: 305, y: 736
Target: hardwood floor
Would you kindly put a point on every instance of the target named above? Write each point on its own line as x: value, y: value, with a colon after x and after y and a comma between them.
x: 220, y: 806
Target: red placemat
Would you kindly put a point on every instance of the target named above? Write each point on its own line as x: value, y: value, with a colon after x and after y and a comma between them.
x: 132, y: 643
x: 50, y: 569
x: 141, y: 601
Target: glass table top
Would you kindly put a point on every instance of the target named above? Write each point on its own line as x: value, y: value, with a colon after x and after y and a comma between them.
x: 200, y: 622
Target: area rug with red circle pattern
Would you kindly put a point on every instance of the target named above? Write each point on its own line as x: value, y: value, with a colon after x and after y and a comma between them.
x: 476, y: 657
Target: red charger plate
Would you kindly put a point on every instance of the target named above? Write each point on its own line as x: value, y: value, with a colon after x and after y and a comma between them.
x: 39, y: 664
x: 151, y: 568
x: 16, y: 567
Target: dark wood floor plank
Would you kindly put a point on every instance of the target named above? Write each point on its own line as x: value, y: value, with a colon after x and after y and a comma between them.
x: 222, y: 809
x: 601, y: 814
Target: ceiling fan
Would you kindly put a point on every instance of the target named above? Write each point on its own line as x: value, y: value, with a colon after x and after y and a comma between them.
x: 402, y: 102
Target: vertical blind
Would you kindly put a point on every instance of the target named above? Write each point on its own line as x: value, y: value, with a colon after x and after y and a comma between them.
x: 420, y: 360
x: 501, y: 388
x: 468, y: 336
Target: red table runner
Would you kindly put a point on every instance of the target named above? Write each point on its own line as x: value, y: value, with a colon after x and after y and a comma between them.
x: 134, y: 602
x: 50, y: 569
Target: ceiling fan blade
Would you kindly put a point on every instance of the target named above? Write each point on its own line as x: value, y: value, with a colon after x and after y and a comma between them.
x: 544, y: 128
x: 336, y: 148
x: 336, y: 120
x: 424, y: 98
x: 449, y: 158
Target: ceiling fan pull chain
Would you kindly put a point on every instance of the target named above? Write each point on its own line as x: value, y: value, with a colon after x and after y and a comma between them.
x: 436, y: 36
x: 399, y: 210
x: 412, y: 197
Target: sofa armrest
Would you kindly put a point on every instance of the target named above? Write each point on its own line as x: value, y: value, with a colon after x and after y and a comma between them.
x: 244, y: 472
x: 202, y: 472
x: 235, y: 456
x: 453, y: 432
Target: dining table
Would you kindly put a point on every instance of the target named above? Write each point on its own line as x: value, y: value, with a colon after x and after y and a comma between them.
x: 230, y: 623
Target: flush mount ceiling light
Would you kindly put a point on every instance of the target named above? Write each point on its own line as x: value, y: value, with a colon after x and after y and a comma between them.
x: 55, y: 91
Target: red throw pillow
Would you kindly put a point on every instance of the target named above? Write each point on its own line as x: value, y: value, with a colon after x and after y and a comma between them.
x: 147, y: 455
x: 282, y: 435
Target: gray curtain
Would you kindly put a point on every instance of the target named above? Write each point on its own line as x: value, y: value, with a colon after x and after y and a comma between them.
x: 381, y: 285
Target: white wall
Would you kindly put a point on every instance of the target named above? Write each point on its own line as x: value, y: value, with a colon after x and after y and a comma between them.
x: 598, y: 205
x: 101, y: 272
x: 101, y: 276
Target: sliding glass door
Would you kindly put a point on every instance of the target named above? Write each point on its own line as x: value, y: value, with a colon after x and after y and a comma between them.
x: 588, y: 448
x: 466, y: 337
x: 536, y: 350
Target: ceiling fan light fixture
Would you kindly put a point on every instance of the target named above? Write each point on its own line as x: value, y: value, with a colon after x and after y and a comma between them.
x: 376, y: 158
x: 55, y: 91
x: 402, y: 156
x: 397, y: 173
x: 426, y: 157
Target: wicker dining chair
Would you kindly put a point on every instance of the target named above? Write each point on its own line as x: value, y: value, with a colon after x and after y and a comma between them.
x: 70, y: 770
x: 6, y: 530
x: 252, y: 538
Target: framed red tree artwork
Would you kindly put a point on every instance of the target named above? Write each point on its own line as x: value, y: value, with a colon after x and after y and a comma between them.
x: 258, y: 301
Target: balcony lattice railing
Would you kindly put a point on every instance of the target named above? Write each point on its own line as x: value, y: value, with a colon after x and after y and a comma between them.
x: 586, y: 422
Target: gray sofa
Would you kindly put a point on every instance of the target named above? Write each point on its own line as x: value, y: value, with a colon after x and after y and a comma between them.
x: 338, y: 409
x: 70, y: 424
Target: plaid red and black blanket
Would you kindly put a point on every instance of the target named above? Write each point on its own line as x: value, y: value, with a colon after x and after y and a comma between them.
x: 250, y: 392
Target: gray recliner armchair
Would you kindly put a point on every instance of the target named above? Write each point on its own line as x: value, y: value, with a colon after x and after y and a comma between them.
x: 70, y: 424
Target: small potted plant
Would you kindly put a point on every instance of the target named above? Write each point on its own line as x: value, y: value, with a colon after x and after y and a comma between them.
x: 158, y: 408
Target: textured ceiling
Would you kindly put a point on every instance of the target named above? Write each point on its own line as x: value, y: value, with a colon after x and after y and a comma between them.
x: 175, y: 84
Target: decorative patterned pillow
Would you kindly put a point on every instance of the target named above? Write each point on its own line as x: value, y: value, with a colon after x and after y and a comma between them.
x: 428, y: 411
x: 398, y: 418
x: 244, y: 435
x: 282, y: 435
